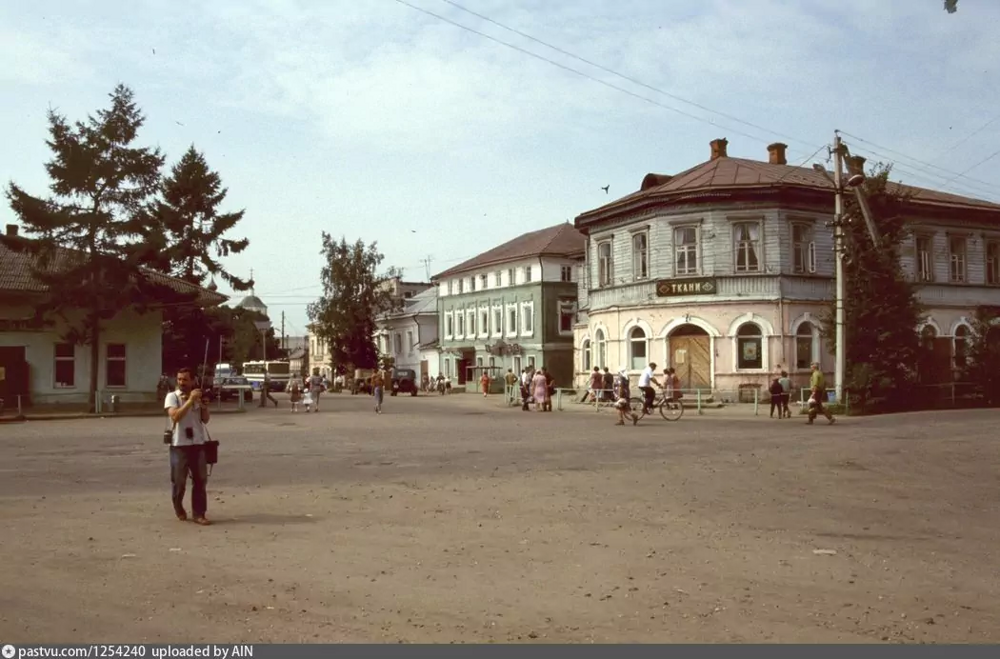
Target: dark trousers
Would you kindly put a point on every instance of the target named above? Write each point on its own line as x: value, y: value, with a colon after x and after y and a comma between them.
x: 818, y: 409
x: 525, y: 398
x: 648, y: 396
x: 779, y: 402
x: 186, y: 460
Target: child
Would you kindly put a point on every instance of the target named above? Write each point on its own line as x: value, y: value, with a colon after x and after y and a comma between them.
x: 295, y: 395
x: 307, y: 400
x: 622, y: 402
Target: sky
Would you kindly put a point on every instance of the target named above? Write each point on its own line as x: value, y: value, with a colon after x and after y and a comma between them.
x: 374, y: 120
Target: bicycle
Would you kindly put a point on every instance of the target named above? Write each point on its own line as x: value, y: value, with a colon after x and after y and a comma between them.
x: 671, y: 409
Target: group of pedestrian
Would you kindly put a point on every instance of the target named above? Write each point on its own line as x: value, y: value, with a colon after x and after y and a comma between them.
x: 781, y: 391
x: 307, y: 393
x: 537, y: 386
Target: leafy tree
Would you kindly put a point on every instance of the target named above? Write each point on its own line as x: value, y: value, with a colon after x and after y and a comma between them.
x: 241, y: 341
x: 87, y: 237
x: 881, y: 312
x: 983, y: 365
x: 189, y: 232
x: 353, y: 297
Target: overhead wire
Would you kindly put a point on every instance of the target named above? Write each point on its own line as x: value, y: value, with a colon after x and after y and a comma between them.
x: 582, y: 74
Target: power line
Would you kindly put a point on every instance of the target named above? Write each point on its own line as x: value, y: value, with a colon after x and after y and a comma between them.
x: 981, y: 162
x: 922, y: 162
x: 802, y: 164
x: 579, y: 73
x: 622, y: 75
x: 968, y: 137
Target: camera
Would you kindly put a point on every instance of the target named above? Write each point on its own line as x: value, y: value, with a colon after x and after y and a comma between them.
x: 168, y: 436
x: 189, y: 432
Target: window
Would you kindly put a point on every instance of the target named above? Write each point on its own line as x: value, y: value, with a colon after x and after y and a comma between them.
x: 746, y: 242
x: 459, y: 324
x: 566, y: 273
x: 451, y: 286
x: 640, y: 256
x: 472, y: 283
x: 604, y: 264
x: 527, y: 274
x: 497, y: 279
x: 461, y: 286
x: 479, y: 361
x: 449, y: 325
x: 686, y: 250
x: 956, y: 259
x: 806, y: 350
x: 482, y: 282
x: 803, y: 249
x: 585, y: 356
x: 484, y: 322
x: 397, y: 343
x: 470, y: 323
x: 567, y: 316
x: 497, y: 321
x: 531, y: 362
x: 993, y: 263
x: 517, y: 365
x: 601, y: 352
x: 492, y: 362
x: 65, y: 375
x: 527, y: 318
x: 637, y: 344
x: 511, y: 277
x: 409, y: 343
x: 511, y: 320
x: 961, y: 346
x: 749, y: 346
x: 115, y: 368
x: 925, y: 260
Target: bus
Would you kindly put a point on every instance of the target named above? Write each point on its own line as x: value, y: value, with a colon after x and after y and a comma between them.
x: 279, y: 373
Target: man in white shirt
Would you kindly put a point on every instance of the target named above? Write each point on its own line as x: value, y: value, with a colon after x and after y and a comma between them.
x: 187, y: 446
x: 646, y: 380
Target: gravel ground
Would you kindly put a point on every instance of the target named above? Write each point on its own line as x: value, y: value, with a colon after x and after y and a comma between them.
x: 457, y: 520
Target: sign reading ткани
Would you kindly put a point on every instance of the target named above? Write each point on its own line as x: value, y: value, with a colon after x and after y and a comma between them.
x: 671, y: 288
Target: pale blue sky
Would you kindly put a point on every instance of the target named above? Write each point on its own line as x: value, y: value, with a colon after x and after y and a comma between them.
x: 370, y: 119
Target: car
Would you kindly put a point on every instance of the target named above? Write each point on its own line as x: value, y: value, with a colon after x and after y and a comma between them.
x: 404, y: 380
x: 230, y: 388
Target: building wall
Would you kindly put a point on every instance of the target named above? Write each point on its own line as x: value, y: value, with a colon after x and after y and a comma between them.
x: 140, y: 334
x: 508, y: 275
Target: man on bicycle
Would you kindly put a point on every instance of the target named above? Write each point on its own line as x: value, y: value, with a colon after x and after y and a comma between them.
x: 646, y: 379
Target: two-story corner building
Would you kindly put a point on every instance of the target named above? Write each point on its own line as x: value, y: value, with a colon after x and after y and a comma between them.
x: 724, y: 271
x: 410, y: 335
x: 512, y: 307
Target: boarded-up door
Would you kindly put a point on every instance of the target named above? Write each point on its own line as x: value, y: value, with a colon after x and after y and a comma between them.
x: 691, y: 358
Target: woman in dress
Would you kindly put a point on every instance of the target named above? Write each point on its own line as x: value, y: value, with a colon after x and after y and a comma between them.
x: 539, y: 389
x: 484, y: 384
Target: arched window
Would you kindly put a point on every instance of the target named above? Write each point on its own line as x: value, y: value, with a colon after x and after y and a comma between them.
x: 749, y: 346
x: 601, y: 356
x: 806, y: 348
x: 585, y: 357
x: 637, y: 350
x: 961, y: 346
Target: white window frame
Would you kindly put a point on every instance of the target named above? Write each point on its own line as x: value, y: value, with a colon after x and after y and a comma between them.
x: 566, y: 307
x: 600, y: 348
x: 484, y: 281
x: 511, y: 330
x: 397, y: 344
x: 605, y: 265
x: 645, y: 341
x: 497, y: 316
x: 755, y: 244
x: 527, y: 329
x: 566, y: 273
x: 511, y: 277
x: 992, y: 262
x: 484, y: 322
x: 763, y: 337
x: 449, y: 324
x: 498, y: 279
x: 688, y: 250
x: 640, y: 258
x: 451, y: 287
x: 804, y: 249
x: 814, y: 344
x: 56, y: 359
x: 459, y: 324
x: 527, y: 274
x: 958, y: 262
x: 924, y: 260
x: 107, y: 361
x: 470, y: 323
x: 586, y: 357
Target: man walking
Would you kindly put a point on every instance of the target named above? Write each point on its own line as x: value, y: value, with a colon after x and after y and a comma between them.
x: 315, y: 387
x: 786, y: 390
x: 378, y: 389
x: 265, y: 391
x: 818, y: 385
x: 187, y: 447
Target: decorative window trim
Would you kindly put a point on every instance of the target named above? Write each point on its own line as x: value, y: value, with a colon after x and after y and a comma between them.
x: 512, y: 328
x: 809, y: 266
x: 962, y: 276
x: 530, y: 331
x: 735, y: 222
x: 566, y: 306
x: 604, y: 282
x: 470, y: 323
x: 483, y: 328
x: 497, y: 328
x: 931, y: 260
x: 698, y: 248
x: 989, y: 241
x: 449, y: 324
x: 638, y: 275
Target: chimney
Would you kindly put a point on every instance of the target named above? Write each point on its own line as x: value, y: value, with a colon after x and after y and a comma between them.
x: 719, y: 148
x: 776, y: 153
x: 11, y: 230
x: 855, y: 165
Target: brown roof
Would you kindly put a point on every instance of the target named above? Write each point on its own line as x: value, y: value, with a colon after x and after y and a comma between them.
x: 560, y: 240
x: 16, y: 277
x: 735, y: 174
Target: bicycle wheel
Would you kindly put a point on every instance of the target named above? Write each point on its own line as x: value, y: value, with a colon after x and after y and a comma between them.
x: 635, y: 405
x: 671, y: 410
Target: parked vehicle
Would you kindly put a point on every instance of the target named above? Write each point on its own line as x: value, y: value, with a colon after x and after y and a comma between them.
x: 278, y: 374
x: 404, y: 380
x: 362, y: 381
x: 231, y: 389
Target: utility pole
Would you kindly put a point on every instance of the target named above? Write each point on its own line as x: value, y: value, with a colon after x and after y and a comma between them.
x: 283, y: 346
x: 427, y: 265
x: 841, y: 284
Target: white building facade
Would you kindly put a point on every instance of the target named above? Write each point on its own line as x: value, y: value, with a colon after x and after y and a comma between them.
x: 410, y: 336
